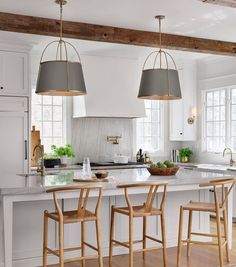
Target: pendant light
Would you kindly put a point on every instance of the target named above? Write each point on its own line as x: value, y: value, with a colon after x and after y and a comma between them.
x: 160, y: 83
x: 61, y: 77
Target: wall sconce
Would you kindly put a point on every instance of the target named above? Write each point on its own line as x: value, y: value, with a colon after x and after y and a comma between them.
x: 114, y: 139
x: 192, y: 118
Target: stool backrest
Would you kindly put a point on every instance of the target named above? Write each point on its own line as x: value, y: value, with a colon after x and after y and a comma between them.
x: 226, y: 186
x: 83, y: 197
x: 152, y: 192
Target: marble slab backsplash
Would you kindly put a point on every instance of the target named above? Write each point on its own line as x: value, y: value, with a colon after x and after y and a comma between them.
x: 89, y: 138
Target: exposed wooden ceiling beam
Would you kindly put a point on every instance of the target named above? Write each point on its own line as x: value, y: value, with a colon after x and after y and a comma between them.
x: 229, y: 3
x: 84, y: 31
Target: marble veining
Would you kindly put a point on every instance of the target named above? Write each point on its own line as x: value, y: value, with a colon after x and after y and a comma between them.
x: 89, y: 138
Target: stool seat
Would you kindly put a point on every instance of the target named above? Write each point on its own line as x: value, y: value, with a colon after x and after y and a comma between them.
x: 73, y: 216
x: 138, y: 211
x: 200, y: 206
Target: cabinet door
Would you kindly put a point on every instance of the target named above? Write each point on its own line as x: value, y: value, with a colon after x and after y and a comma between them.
x: 13, y: 147
x: 13, y: 78
x: 176, y: 120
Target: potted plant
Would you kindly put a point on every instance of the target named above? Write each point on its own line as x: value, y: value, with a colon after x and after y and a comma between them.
x: 50, y: 161
x: 65, y: 153
x: 185, y: 154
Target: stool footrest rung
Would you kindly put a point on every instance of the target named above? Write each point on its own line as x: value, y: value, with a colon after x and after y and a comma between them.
x: 203, y: 243
x: 146, y: 249
x: 206, y: 234
x: 56, y: 252
x: 154, y: 239
x: 81, y: 258
x: 90, y: 246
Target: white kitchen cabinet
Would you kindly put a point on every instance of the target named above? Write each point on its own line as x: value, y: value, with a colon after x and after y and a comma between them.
x: 13, y: 140
x: 180, y: 110
x: 14, y: 73
x: 112, y: 85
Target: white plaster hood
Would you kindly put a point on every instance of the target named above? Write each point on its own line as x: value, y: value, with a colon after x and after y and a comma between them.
x: 112, y: 87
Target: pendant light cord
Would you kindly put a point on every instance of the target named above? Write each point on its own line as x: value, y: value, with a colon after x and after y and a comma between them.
x: 160, y: 41
x: 61, y: 28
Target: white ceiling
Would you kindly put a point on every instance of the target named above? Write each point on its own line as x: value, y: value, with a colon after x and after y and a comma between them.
x: 186, y: 17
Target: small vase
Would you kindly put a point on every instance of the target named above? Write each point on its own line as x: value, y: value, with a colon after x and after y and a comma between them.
x: 184, y: 159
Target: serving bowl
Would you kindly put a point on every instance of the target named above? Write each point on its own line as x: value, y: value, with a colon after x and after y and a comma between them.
x: 164, y: 171
x: 101, y: 174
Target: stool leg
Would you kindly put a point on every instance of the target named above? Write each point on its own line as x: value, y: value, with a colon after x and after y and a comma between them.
x: 189, y: 231
x: 144, y: 235
x: 99, y: 243
x: 163, y: 233
x: 180, y: 235
x: 219, y: 237
x: 82, y: 242
x: 226, y: 234
x: 61, y: 243
x: 111, y: 234
x: 45, y: 239
x: 131, y: 240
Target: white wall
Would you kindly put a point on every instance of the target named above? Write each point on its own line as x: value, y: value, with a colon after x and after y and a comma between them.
x: 211, y: 73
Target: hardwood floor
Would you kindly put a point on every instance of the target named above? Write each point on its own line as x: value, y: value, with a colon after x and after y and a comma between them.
x: 201, y: 256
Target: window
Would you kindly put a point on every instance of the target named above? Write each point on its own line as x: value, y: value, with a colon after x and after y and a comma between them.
x: 148, y: 133
x: 219, y: 122
x: 48, y: 117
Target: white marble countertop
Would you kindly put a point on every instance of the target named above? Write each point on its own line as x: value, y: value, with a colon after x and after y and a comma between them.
x: 37, y: 184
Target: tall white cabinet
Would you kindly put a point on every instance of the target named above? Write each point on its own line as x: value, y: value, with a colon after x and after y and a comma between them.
x: 180, y: 110
x: 13, y: 139
x: 14, y: 115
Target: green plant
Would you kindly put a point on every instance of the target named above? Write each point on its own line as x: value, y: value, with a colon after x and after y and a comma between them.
x: 185, y: 152
x: 63, y: 151
x: 50, y: 156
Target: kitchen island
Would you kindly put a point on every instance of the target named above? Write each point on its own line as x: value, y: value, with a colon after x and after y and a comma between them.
x: 22, y: 242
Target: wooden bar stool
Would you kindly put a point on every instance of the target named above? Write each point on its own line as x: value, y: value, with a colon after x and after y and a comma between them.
x: 144, y: 210
x: 80, y: 215
x: 218, y: 207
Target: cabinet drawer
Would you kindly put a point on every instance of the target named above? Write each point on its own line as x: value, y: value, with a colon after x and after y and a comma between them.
x: 13, y: 104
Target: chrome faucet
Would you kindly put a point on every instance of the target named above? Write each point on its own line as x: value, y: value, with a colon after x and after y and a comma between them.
x: 38, y: 152
x: 231, y: 162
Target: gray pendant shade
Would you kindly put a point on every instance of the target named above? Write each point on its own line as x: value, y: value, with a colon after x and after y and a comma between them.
x: 160, y: 84
x: 60, y: 78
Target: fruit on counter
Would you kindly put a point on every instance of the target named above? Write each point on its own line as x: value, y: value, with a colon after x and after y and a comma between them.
x: 165, y: 164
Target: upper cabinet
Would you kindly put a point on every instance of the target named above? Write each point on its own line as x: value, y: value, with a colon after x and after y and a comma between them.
x: 181, y: 110
x: 14, y: 73
x: 112, y: 87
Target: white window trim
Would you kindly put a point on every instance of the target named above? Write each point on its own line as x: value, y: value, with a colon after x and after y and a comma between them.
x: 66, y: 118
x: 228, y: 90
x: 160, y: 151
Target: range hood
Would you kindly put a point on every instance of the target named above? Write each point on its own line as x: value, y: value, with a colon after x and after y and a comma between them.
x: 112, y: 86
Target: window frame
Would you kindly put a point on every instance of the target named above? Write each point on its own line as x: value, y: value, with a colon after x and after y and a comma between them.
x: 228, y: 116
x: 162, y: 141
x: 64, y: 117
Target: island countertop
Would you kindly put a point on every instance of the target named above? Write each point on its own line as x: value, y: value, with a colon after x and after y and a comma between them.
x: 39, y: 184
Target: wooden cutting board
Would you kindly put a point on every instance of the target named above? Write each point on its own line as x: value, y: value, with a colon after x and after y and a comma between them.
x: 35, y: 140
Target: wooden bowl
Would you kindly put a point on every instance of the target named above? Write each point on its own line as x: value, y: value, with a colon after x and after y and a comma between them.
x: 101, y: 174
x: 163, y: 171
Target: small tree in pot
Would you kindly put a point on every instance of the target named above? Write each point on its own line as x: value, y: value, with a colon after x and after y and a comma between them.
x: 185, y: 154
x: 64, y: 152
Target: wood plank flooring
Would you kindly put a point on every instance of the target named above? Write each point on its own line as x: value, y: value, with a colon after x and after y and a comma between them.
x: 201, y: 256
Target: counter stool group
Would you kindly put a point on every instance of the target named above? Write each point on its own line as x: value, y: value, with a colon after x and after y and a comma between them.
x: 82, y: 215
